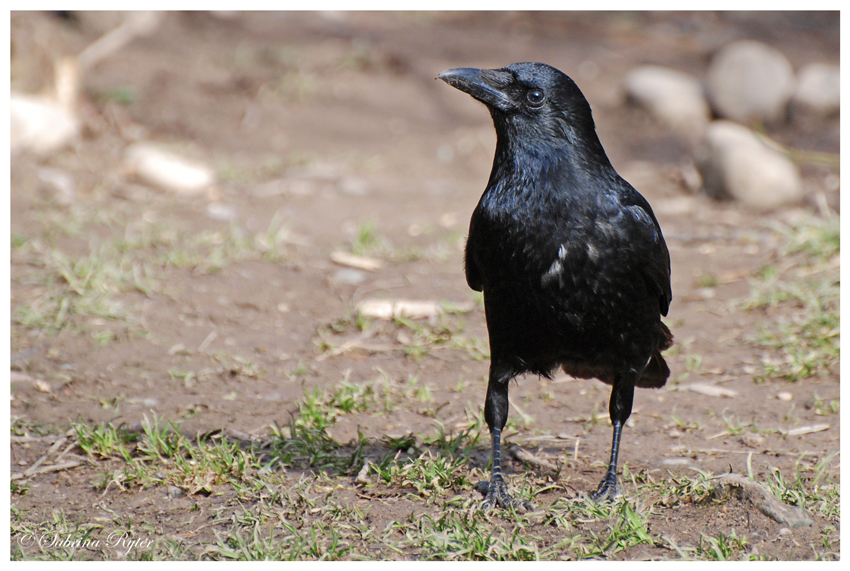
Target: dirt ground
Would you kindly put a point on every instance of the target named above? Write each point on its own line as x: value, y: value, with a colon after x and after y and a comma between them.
x: 323, y: 126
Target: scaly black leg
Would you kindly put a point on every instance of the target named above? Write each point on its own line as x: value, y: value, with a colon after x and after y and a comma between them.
x: 620, y: 408
x: 609, y: 488
x: 496, y: 414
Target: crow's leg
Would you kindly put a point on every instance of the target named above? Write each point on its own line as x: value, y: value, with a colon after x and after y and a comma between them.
x: 496, y: 414
x: 620, y: 407
x: 609, y: 488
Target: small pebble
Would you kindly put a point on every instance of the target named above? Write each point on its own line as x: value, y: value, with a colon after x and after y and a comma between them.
x: 178, y: 348
x: 710, y: 390
x: 42, y: 386
x: 175, y: 492
x: 807, y: 430
x: 167, y: 170
x: 786, y: 396
x: 145, y: 402
x: 677, y: 462
x: 349, y: 276
x: 355, y: 261
x: 752, y: 440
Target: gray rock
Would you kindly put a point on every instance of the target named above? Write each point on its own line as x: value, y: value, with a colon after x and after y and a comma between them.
x: 819, y: 90
x: 749, y: 80
x: 735, y: 163
x: 673, y: 97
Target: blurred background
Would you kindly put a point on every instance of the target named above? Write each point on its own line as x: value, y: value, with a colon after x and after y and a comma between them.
x: 216, y: 213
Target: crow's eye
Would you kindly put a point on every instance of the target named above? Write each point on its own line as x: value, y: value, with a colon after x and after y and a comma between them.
x: 535, y: 97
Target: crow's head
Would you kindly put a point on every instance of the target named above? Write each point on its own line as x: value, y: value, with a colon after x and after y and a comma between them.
x: 526, y: 97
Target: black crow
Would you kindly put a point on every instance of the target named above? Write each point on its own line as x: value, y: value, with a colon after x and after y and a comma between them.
x: 570, y: 258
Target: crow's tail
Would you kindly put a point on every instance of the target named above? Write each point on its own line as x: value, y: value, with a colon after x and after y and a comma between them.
x: 656, y: 372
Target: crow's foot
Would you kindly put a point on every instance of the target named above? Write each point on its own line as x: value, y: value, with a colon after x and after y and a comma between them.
x: 495, y: 492
x: 608, y: 489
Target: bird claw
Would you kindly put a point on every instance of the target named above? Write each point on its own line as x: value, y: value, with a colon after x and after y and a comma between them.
x: 608, y: 489
x: 495, y: 493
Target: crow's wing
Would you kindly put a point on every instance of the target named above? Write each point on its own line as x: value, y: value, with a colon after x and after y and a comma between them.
x: 656, y: 269
x: 473, y: 273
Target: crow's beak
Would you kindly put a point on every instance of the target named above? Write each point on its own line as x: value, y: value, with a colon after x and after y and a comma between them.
x: 485, y: 85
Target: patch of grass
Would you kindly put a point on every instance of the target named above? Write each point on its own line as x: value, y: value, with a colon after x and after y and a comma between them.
x: 304, y: 447
x: 162, y: 456
x: 812, y: 488
x: 720, y: 548
x: 105, y: 440
x: 271, y: 243
x: 188, y: 378
x: 82, y: 293
x: 237, y: 366
x: 271, y: 544
x: 306, y: 444
x: 366, y: 240
x: 77, y: 289
x: 460, y: 535
x: 418, y: 338
x: 815, y: 237
x: 427, y: 473
x: 293, y: 495
x: 808, y: 339
x: 629, y: 529
x: 800, y: 302
x: 707, y: 279
x: 826, y: 408
x: 686, y: 425
x: 19, y: 241
x: 26, y: 427
x: 210, y: 251
x: 441, y: 467
x: 55, y: 538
